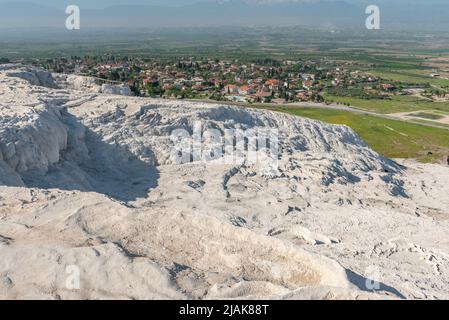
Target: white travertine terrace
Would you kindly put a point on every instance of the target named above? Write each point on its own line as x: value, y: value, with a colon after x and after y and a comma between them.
x: 86, y: 179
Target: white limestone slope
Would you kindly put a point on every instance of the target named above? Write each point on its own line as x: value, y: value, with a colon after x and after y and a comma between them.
x: 88, y: 84
x: 86, y: 179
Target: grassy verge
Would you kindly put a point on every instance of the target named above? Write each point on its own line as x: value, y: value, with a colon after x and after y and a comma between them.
x: 394, y: 105
x: 430, y: 123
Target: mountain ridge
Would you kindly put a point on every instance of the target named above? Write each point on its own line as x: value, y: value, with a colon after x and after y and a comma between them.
x: 138, y: 14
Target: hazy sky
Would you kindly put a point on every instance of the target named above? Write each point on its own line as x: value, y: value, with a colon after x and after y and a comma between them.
x: 406, y: 14
x: 106, y: 3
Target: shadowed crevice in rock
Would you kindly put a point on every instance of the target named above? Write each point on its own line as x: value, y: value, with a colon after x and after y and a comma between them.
x: 361, y: 283
x: 89, y: 164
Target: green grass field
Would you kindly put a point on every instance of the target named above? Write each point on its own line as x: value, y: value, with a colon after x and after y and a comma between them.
x: 412, y: 76
x: 394, y: 105
x: 394, y: 139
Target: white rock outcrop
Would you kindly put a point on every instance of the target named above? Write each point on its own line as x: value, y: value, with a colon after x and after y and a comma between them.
x: 35, y: 76
x: 88, y: 84
x: 88, y: 181
x: 79, y: 83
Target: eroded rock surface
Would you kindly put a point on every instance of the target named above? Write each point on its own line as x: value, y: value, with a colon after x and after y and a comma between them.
x: 88, y: 179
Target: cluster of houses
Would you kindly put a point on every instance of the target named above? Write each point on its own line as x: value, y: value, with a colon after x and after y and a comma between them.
x: 262, y: 90
x: 232, y: 80
x: 226, y: 80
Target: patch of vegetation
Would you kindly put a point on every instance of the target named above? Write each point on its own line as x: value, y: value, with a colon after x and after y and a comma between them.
x: 353, y: 92
x: 384, y: 62
x: 427, y: 115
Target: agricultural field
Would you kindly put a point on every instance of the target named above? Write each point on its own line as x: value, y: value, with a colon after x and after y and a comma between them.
x: 412, y: 77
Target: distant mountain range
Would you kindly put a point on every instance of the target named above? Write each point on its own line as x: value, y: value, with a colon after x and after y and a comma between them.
x: 405, y: 14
